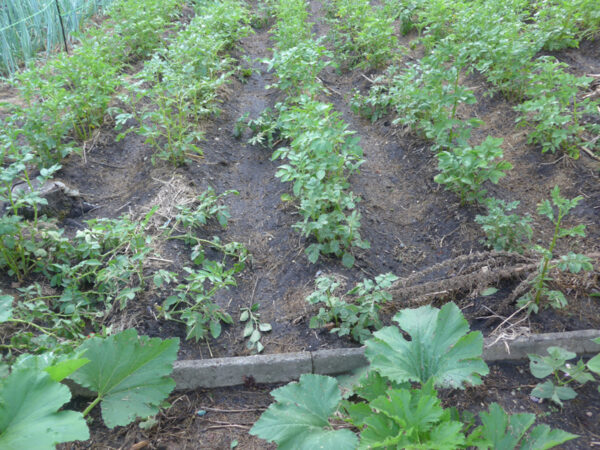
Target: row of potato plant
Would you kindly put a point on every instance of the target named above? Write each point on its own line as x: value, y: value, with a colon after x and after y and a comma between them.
x: 321, y: 152
x: 68, y: 287
x: 103, y: 264
x: 66, y: 99
x: 502, y: 40
x: 362, y: 35
x: 427, y: 95
x: 97, y: 270
x: 179, y: 84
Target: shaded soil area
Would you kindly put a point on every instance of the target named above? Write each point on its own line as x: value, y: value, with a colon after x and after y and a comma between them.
x: 410, y: 221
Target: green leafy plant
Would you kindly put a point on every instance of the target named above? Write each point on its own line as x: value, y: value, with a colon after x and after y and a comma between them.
x: 322, y: 152
x: 405, y: 417
x: 193, y: 215
x: 192, y: 302
x: 130, y: 375
x: 300, y: 418
x: 355, y: 313
x: 553, y: 108
x: 23, y: 243
x: 31, y: 414
x: 390, y: 414
x: 68, y: 97
x: 426, y: 96
x: 501, y: 430
x: 574, y: 263
x: 108, y: 256
x: 510, y: 232
x: 254, y: 327
x: 53, y: 330
x: 565, y: 24
x: 137, y: 31
x: 440, y: 348
x: 362, y: 35
x: 465, y: 169
x: 182, y: 81
x: 298, y: 68
x: 562, y: 373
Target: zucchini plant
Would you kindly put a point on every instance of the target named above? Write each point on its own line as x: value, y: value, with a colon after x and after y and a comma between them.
x: 129, y: 374
x: 383, y: 410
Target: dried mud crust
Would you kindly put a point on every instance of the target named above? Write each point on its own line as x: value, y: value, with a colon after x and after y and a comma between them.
x: 231, y: 412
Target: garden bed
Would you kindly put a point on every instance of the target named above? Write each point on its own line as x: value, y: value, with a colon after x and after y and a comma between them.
x: 417, y: 230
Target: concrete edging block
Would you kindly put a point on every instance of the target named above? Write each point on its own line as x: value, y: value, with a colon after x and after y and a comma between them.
x: 579, y: 342
x: 221, y: 372
x: 338, y: 360
x: 285, y: 367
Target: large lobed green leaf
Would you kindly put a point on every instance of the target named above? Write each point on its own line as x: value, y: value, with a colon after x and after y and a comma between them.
x: 440, y: 348
x: 5, y: 307
x: 299, y: 418
x: 29, y: 416
x: 413, y: 419
x: 504, y: 432
x: 130, y: 374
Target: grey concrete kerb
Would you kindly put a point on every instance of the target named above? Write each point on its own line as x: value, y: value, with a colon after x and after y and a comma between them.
x: 284, y: 367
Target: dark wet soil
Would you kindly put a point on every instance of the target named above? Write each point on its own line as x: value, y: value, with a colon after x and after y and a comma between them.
x: 409, y: 220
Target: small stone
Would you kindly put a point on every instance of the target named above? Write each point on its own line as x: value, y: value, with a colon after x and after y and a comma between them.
x: 589, y: 413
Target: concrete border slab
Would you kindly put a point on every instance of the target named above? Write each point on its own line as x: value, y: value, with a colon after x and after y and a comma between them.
x: 284, y: 367
x: 220, y: 372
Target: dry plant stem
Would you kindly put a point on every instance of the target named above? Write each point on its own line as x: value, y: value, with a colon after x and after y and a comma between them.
x: 206, y: 408
x: 480, y: 270
x: 510, y: 317
x: 233, y: 425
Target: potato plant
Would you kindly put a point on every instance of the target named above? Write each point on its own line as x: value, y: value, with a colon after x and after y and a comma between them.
x: 362, y: 35
x: 66, y: 99
x: 321, y: 152
x: 179, y: 84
